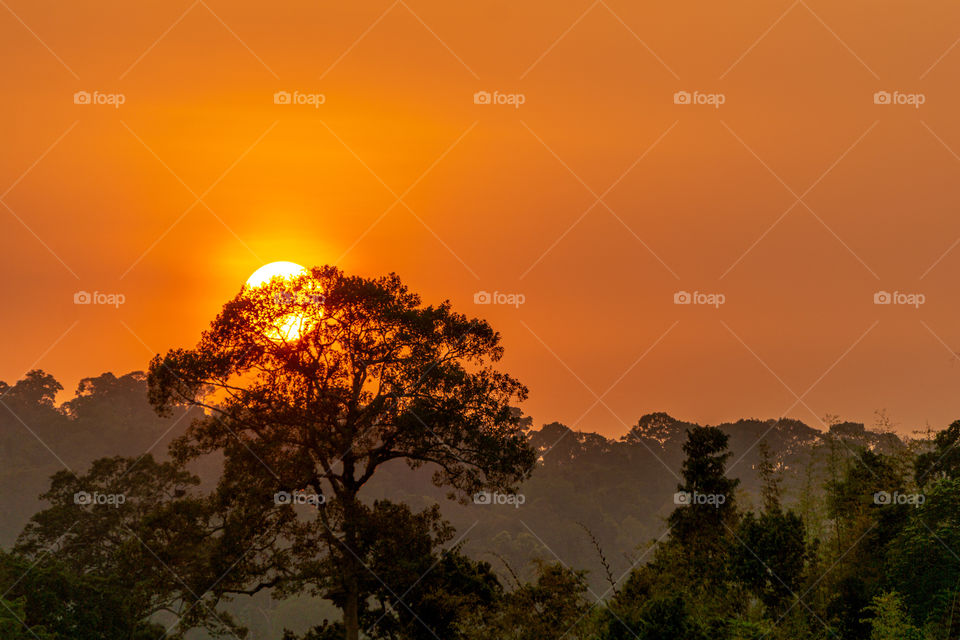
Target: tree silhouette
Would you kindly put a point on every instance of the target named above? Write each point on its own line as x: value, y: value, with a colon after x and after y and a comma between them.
x: 151, y: 540
x: 703, y: 525
x: 367, y: 375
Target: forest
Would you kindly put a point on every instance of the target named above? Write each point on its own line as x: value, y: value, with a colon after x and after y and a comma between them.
x: 376, y: 478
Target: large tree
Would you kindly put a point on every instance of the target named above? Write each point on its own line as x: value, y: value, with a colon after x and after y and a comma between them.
x: 313, y: 383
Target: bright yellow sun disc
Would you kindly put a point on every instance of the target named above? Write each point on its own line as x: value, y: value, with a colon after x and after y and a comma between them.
x: 287, y: 327
x: 265, y: 273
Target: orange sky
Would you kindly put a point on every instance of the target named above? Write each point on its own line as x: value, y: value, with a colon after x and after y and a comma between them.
x: 504, y: 198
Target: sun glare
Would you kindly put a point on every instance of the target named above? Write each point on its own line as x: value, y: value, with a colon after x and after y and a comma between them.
x: 288, y: 327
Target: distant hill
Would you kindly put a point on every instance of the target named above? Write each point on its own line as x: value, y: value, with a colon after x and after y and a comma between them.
x: 587, y: 489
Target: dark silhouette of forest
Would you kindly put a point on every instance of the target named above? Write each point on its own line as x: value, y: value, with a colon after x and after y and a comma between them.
x: 375, y: 478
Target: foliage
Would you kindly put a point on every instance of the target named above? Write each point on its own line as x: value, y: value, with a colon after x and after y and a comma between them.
x: 889, y: 622
x: 943, y: 460
x: 771, y: 555
x: 56, y: 603
x: 553, y: 607
x: 13, y: 625
x: 147, y: 539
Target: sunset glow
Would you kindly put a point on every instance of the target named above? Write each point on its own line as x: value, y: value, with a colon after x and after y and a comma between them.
x: 469, y: 168
x: 532, y: 320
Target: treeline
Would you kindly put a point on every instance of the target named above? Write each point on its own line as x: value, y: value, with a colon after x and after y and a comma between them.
x: 745, y: 530
x: 582, y: 478
x: 590, y: 489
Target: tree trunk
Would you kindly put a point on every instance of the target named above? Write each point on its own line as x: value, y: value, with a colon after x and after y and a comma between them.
x: 351, y: 620
x: 351, y: 570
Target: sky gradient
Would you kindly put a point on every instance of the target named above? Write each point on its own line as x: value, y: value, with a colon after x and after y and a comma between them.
x: 598, y: 199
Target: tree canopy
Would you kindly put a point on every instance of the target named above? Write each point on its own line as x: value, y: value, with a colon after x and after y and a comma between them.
x: 369, y: 375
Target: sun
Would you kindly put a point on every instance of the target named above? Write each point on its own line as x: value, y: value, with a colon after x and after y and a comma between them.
x: 267, y: 272
x: 291, y: 326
